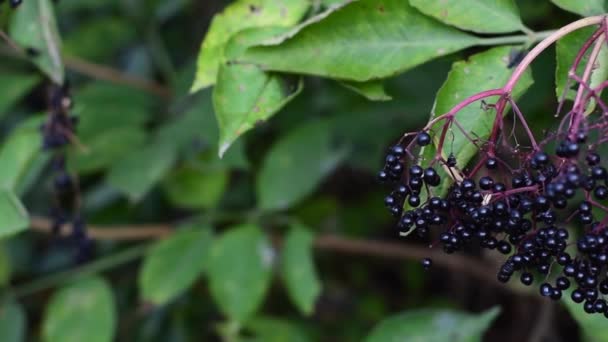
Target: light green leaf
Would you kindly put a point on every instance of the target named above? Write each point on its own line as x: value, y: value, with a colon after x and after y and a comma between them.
x: 174, y: 264
x: 12, y: 322
x: 34, y: 26
x: 433, y: 326
x: 295, y: 165
x: 244, y: 96
x: 16, y: 155
x: 236, y: 17
x: 298, y: 270
x: 137, y: 172
x: 485, y: 70
x: 13, y: 216
x: 268, y: 329
x: 591, y: 326
x: 105, y: 148
x: 362, y: 41
x: 196, y: 187
x: 584, y: 8
x: 13, y: 86
x: 566, y: 50
x: 372, y: 90
x: 239, y: 271
x: 482, y: 16
x: 83, y: 311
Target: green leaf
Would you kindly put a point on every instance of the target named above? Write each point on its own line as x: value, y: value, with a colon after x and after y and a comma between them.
x: 267, y: 329
x: 591, y: 326
x: 174, y: 264
x: 236, y: 17
x: 16, y: 155
x: 196, y: 187
x: 566, y: 50
x: 105, y: 148
x: 482, y: 16
x: 485, y: 70
x: 299, y: 274
x: 12, y: 322
x: 14, y: 86
x: 34, y: 26
x: 244, y: 96
x: 115, y: 32
x: 239, y: 271
x: 433, y: 326
x: 83, y: 311
x: 295, y: 165
x: 137, y: 172
x: 13, y: 216
x: 5, y: 269
x: 584, y: 8
x: 372, y: 90
x: 362, y: 41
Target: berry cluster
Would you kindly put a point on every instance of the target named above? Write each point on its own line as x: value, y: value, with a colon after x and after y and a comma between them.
x: 57, y: 133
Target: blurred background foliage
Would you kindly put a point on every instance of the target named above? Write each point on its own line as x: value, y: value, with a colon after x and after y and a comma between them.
x: 270, y: 242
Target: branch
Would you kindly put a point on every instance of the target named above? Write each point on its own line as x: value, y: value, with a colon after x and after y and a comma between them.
x: 324, y: 242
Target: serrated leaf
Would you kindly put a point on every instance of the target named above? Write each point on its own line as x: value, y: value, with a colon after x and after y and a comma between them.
x: 196, y: 188
x: 295, y: 165
x: 482, y: 16
x: 12, y: 322
x: 431, y: 325
x: 591, y: 326
x: 362, y: 41
x: 483, y: 71
x: 268, y: 329
x: 236, y: 17
x: 137, y: 172
x: 13, y: 86
x: 239, y: 271
x: 372, y: 90
x: 34, y: 26
x: 82, y: 311
x: 244, y: 96
x: 298, y: 270
x: 16, y: 155
x: 13, y: 215
x: 584, y: 8
x: 174, y: 264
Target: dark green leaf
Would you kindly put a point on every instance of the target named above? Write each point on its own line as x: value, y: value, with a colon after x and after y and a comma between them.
x: 16, y: 155
x: 372, y: 90
x: 584, y: 8
x: 13, y: 87
x: 174, y: 264
x: 196, y: 187
x: 483, y: 16
x: 433, y: 326
x: 267, y: 329
x: 295, y: 166
x: 483, y: 71
x: 140, y: 170
x: 13, y: 216
x: 566, y: 50
x: 362, y: 41
x: 299, y: 274
x: 246, y: 95
x: 239, y: 16
x: 12, y: 322
x: 34, y: 27
x: 239, y: 271
x: 84, y: 42
x: 5, y: 269
x: 83, y: 311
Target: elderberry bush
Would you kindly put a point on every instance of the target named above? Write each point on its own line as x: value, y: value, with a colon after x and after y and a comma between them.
x: 543, y: 206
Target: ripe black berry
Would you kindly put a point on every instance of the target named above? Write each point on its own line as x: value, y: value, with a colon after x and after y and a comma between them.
x: 426, y: 263
x: 423, y: 139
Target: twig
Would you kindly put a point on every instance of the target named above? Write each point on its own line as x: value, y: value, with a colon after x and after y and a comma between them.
x: 333, y: 243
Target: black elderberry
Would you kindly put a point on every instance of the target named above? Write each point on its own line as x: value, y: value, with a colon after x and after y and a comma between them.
x: 592, y: 158
x: 526, y: 278
x: 431, y: 177
x: 546, y: 290
x: 426, y: 263
x: 398, y: 150
x: 598, y: 173
x: 562, y: 283
x: 589, y: 307
x: 503, y: 247
x: 423, y: 139
x: 600, y: 192
x: 416, y: 171
x: 486, y: 183
x: 491, y: 163
x: 581, y: 137
x: 383, y: 176
x: 577, y: 296
x: 451, y: 161
x: 414, y: 201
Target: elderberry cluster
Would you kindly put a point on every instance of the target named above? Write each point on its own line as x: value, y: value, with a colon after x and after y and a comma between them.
x: 519, y: 207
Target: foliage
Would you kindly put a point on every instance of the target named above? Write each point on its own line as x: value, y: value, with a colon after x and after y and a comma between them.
x: 242, y: 137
